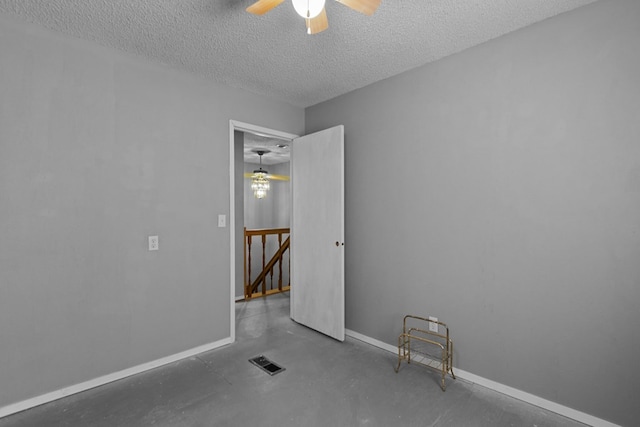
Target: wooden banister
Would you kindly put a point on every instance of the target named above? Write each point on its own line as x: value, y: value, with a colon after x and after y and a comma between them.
x: 251, y: 286
x: 277, y: 257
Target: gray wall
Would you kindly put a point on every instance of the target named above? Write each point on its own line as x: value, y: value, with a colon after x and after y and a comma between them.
x: 98, y: 150
x: 499, y: 190
x: 274, y: 210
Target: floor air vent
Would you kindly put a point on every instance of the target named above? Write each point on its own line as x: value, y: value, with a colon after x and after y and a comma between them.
x: 266, y: 365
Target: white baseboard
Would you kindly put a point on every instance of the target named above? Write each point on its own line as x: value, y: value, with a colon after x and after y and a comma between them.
x: 372, y: 341
x: 105, y: 379
x: 501, y: 388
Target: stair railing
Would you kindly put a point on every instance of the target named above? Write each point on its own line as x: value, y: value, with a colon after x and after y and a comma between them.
x: 251, y: 286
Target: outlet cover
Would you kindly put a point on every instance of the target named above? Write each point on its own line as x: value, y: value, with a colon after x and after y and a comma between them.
x: 153, y: 243
x: 433, y: 327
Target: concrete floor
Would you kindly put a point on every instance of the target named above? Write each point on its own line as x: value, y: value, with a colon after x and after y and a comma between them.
x: 326, y: 383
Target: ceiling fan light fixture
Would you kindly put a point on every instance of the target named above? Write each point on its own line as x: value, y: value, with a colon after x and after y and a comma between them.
x: 308, y: 8
x: 313, y: 11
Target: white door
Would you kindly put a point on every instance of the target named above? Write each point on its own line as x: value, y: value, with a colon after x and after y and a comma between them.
x: 317, y: 231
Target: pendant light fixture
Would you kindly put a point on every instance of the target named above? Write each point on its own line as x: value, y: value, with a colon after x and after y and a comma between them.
x: 259, y: 179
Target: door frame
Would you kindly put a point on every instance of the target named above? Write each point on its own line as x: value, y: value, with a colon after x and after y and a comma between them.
x: 235, y: 125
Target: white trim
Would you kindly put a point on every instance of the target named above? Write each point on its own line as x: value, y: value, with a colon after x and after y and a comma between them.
x: 105, y: 379
x: 535, y: 400
x: 371, y: 341
x: 232, y: 231
x: 501, y: 388
x: 261, y: 131
x: 235, y: 125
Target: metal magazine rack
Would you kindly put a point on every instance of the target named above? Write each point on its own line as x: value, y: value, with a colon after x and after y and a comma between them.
x: 428, y: 346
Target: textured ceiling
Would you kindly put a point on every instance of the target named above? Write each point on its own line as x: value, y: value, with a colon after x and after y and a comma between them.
x: 279, y: 151
x: 271, y: 54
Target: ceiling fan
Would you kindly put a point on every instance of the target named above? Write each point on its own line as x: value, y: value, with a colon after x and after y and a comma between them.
x: 313, y: 11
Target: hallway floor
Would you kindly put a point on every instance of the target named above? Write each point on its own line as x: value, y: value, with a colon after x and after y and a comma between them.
x: 326, y: 383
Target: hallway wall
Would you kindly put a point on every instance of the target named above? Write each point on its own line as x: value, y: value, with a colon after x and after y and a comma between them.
x: 499, y: 190
x: 99, y: 150
x: 274, y: 211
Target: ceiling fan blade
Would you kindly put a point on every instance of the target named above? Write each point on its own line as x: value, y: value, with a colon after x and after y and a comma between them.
x: 278, y: 177
x: 363, y: 6
x: 273, y: 177
x: 318, y: 24
x: 263, y: 6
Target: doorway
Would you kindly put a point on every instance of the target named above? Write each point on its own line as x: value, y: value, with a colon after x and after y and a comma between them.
x: 317, y: 221
x: 237, y: 133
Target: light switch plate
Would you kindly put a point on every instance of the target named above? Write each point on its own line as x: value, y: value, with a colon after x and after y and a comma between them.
x: 222, y: 220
